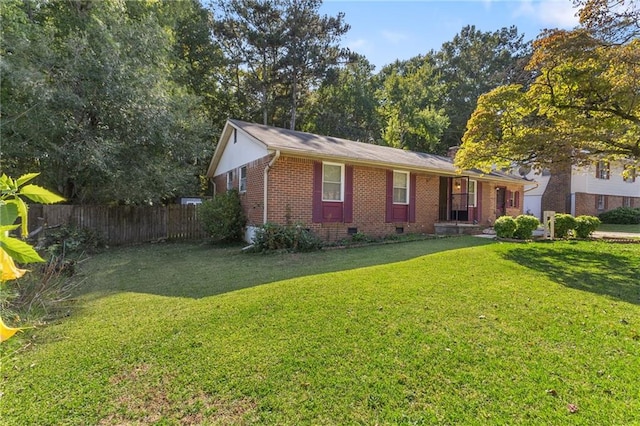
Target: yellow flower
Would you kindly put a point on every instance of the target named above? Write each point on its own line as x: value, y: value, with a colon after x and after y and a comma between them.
x: 6, y: 332
x: 8, y: 269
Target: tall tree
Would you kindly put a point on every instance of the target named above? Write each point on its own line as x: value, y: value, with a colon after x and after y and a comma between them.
x: 345, y: 103
x: 473, y: 63
x: 585, y: 103
x: 99, y: 112
x: 279, y: 49
x: 408, y: 98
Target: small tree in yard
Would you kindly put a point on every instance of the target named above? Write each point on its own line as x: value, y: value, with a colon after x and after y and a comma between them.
x: 222, y: 218
x: 14, y: 209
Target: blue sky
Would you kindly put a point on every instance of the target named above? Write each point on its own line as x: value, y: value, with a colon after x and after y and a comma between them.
x: 385, y: 30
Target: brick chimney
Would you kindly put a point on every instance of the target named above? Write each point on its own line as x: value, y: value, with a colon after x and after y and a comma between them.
x: 452, y: 151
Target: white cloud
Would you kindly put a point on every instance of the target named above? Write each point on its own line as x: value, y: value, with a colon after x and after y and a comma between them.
x: 552, y: 13
x: 358, y: 44
x: 394, y: 37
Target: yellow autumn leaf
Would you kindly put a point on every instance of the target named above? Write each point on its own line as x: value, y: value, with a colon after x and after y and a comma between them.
x: 8, y: 269
x: 7, y: 332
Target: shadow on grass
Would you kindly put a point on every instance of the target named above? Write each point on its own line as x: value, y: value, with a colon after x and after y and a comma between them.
x: 594, y: 268
x: 202, y: 270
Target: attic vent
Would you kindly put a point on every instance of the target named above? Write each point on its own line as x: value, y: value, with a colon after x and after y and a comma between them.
x: 235, y: 135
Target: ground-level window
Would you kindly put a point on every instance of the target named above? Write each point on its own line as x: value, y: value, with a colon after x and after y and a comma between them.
x: 229, y: 180
x: 472, y: 193
x: 332, y: 182
x: 400, y: 187
x: 243, y: 178
x: 601, y: 202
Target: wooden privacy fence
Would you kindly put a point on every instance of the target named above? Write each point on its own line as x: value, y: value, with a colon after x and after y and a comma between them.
x: 120, y: 225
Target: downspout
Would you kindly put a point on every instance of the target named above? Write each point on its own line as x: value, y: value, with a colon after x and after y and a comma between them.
x: 266, y: 180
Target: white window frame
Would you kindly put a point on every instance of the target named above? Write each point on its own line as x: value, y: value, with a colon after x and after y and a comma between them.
x: 603, y: 205
x: 341, y: 198
x: 472, y: 196
x: 243, y: 179
x: 626, y: 202
x: 406, y: 201
x: 229, y: 180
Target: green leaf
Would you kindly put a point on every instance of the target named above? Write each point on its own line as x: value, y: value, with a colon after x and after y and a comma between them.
x: 40, y: 195
x: 6, y: 183
x: 25, y: 178
x: 23, y: 212
x: 7, y: 228
x: 8, y: 212
x: 19, y: 250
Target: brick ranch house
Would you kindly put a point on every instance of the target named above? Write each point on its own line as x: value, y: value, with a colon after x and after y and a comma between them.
x: 338, y: 187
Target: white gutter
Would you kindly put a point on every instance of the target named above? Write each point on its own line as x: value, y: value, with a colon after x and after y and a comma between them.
x: 266, y: 180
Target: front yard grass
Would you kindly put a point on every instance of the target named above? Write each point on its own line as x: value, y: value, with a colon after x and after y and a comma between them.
x: 457, y: 330
x: 608, y: 227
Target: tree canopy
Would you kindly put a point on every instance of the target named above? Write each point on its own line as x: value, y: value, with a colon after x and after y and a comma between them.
x: 583, y: 104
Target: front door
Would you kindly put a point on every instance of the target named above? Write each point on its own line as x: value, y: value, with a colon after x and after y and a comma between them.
x: 501, y: 198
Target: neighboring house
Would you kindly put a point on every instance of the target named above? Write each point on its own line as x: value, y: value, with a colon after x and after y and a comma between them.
x: 338, y: 187
x: 588, y: 190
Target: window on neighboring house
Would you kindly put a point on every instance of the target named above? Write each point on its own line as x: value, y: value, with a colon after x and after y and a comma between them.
x: 602, y: 170
x: 400, y: 187
x: 472, y: 191
x: 332, y: 182
x: 243, y: 178
x: 627, y: 202
x: 229, y: 180
x: 601, y: 202
x: 629, y: 174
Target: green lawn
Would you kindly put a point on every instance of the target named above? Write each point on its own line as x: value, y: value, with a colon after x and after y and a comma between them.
x: 607, y: 227
x: 458, y: 330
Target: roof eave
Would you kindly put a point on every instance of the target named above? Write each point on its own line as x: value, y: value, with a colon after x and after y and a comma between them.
x: 386, y: 164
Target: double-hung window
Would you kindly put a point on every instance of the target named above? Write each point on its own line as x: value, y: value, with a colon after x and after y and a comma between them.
x: 601, y: 202
x: 229, y: 180
x: 472, y: 193
x: 629, y: 174
x: 332, y: 182
x: 243, y: 179
x: 400, y: 187
x: 602, y: 170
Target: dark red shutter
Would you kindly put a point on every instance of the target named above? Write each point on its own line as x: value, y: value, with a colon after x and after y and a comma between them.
x: 479, y: 201
x: 598, y: 170
x: 348, y: 194
x: 317, y: 192
x: 389, y: 203
x: 412, y: 197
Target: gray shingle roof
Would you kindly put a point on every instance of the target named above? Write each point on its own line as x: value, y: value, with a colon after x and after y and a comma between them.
x: 310, y: 145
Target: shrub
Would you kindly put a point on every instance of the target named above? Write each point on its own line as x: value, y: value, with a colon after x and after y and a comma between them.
x: 585, y: 225
x: 505, y: 226
x: 296, y: 238
x: 563, y: 224
x: 69, y: 239
x: 222, y: 218
x: 622, y: 216
x: 525, y: 225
